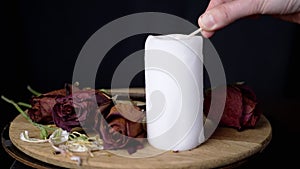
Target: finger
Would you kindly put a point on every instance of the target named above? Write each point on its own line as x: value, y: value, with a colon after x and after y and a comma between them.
x: 208, y: 34
x: 214, y: 3
x: 226, y: 13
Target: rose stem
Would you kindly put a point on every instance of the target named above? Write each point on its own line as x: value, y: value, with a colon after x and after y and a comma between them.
x: 33, y: 91
x: 24, y: 104
x: 24, y: 114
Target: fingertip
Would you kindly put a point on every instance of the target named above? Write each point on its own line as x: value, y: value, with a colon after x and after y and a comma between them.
x: 205, y: 31
x: 206, y: 21
x: 199, y: 22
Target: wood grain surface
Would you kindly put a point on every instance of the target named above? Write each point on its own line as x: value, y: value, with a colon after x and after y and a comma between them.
x: 225, y: 147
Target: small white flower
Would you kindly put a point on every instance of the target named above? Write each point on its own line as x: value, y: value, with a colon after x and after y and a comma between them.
x: 59, y: 136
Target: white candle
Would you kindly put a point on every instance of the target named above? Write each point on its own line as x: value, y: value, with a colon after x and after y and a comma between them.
x: 174, y: 91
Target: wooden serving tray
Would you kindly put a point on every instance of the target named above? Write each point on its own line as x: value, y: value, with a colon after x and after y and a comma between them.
x: 227, y: 146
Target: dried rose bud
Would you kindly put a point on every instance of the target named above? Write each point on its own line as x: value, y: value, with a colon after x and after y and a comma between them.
x: 122, y: 128
x: 241, y: 107
x: 79, y: 109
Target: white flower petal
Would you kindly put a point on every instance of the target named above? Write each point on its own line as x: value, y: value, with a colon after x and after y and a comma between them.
x: 24, y: 136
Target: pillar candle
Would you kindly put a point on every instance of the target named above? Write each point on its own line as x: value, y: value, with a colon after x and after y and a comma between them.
x: 174, y: 91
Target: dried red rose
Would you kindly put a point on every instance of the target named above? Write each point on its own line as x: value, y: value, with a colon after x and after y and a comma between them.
x: 41, y: 106
x: 79, y: 109
x: 241, y: 107
x: 122, y: 128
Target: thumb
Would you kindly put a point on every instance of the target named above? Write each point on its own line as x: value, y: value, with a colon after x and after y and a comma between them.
x: 226, y: 13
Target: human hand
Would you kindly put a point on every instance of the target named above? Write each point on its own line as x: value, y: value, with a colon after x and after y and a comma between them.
x: 221, y: 13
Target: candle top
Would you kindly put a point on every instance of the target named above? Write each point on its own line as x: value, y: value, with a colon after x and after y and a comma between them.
x: 174, y: 37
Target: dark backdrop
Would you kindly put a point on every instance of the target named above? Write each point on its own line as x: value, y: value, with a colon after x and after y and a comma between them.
x: 42, y: 39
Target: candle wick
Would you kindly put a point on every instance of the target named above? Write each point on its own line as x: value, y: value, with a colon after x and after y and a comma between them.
x: 195, y: 32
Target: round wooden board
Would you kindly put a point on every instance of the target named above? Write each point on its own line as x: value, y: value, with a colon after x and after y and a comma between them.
x: 225, y: 147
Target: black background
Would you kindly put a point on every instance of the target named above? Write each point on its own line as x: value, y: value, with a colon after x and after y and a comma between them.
x: 40, y: 41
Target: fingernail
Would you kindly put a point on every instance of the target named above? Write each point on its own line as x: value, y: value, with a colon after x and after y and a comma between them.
x: 208, y: 21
